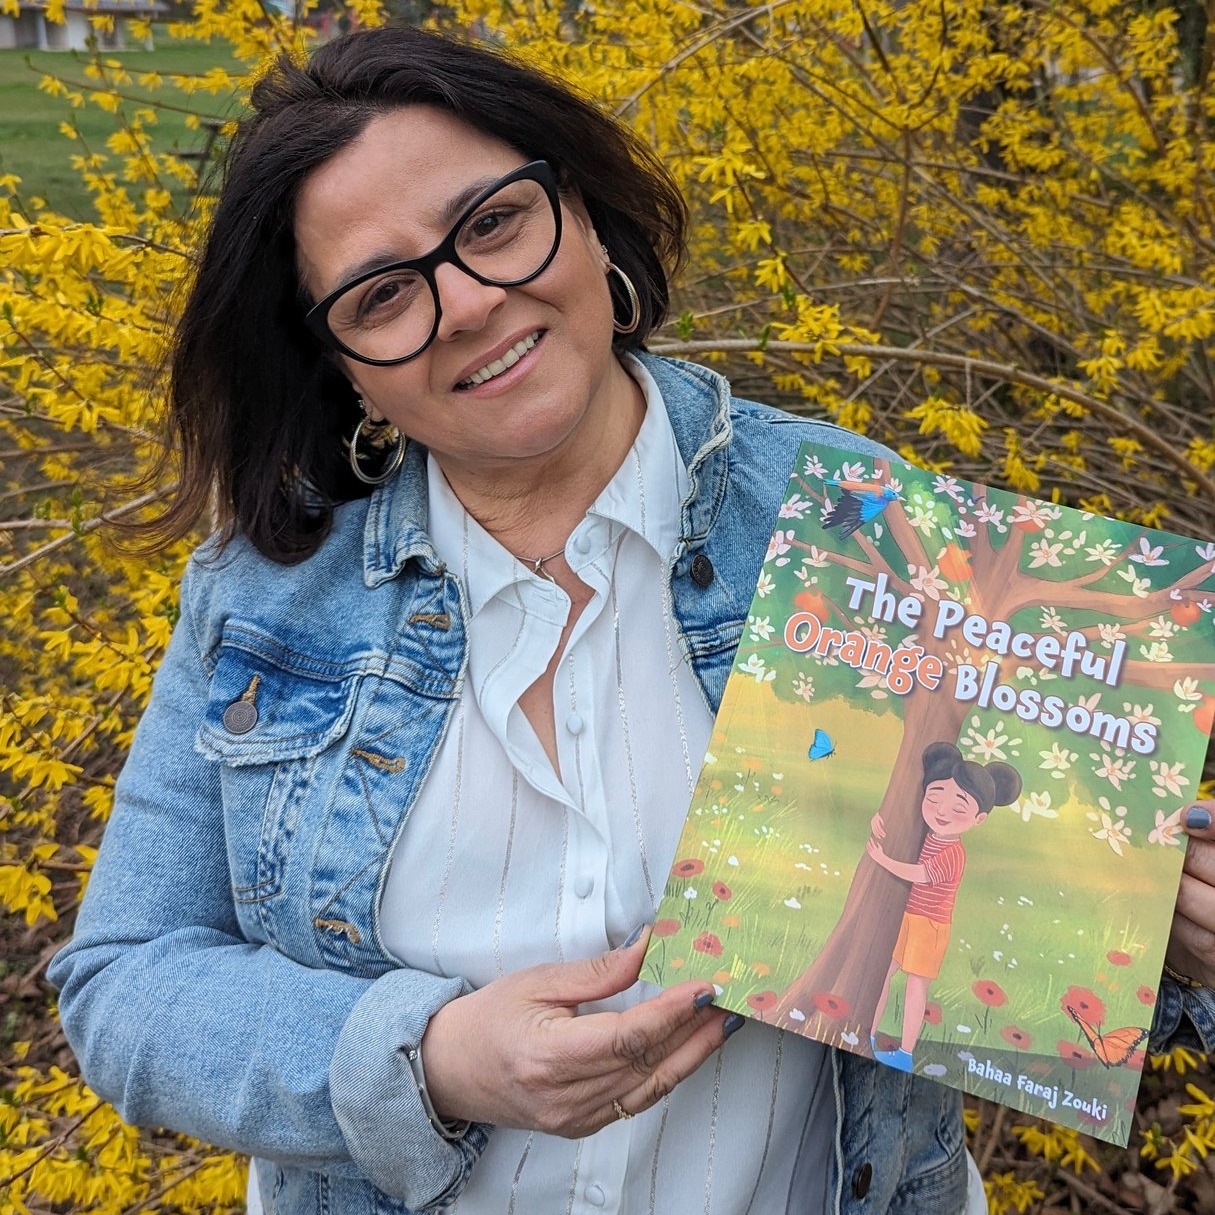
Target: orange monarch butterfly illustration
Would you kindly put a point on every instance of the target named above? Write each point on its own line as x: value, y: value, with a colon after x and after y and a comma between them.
x: 1113, y: 1048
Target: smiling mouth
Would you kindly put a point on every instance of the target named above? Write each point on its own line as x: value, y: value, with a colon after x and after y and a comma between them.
x: 498, y: 366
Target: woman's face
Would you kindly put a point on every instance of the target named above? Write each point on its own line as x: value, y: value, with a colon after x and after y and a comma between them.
x: 394, y: 194
x: 948, y: 809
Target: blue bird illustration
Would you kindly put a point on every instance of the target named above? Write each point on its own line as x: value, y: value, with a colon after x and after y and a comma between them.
x: 860, y: 501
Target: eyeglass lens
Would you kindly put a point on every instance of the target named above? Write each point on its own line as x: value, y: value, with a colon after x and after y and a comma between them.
x: 506, y: 239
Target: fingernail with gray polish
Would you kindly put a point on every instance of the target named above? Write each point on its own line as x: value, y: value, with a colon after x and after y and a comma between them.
x: 633, y: 937
x: 703, y: 1000
x: 732, y: 1024
x: 1197, y: 819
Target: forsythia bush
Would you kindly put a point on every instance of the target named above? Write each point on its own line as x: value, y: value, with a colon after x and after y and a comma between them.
x: 983, y: 233
x: 993, y: 222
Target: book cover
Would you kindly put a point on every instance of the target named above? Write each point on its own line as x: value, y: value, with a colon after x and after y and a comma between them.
x: 939, y: 819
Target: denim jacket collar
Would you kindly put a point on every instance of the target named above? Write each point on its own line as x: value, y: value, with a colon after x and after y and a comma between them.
x: 396, y: 523
x: 698, y: 404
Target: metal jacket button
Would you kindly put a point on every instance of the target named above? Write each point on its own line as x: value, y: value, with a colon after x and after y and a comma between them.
x: 702, y: 570
x: 861, y: 1180
x: 240, y: 717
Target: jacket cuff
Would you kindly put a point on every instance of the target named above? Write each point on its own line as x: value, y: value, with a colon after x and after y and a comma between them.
x: 376, y: 1100
x: 1184, y: 1016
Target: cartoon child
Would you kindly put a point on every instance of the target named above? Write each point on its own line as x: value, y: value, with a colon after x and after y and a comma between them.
x: 958, y: 795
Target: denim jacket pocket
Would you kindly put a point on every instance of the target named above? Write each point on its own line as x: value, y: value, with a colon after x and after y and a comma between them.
x: 270, y: 713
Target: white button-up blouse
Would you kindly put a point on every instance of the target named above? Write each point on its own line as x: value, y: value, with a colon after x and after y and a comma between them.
x: 507, y: 862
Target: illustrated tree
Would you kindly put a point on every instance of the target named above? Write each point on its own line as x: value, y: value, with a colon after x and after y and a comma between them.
x: 1139, y: 603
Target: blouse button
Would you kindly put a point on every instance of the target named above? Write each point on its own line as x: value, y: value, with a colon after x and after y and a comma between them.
x: 240, y: 717
x: 862, y: 1179
x: 583, y: 543
x: 574, y: 723
x: 584, y: 884
x: 594, y: 1195
x: 702, y: 570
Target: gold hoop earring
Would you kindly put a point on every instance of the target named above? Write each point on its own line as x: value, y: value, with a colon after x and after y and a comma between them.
x: 630, y: 292
x: 376, y: 444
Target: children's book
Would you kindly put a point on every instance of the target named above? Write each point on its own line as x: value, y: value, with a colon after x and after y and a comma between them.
x: 939, y: 819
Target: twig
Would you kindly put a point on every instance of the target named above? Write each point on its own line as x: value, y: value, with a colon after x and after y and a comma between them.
x: 84, y: 529
x: 159, y: 1194
x: 53, y: 1144
x: 694, y: 48
x: 1091, y: 1197
x: 1001, y: 371
x: 993, y: 1138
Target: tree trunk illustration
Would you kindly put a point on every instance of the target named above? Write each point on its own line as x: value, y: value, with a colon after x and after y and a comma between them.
x: 839, y: 991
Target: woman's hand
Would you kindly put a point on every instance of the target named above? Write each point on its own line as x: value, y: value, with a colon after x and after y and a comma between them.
x: 1191, y: 949
x: 517, y: 1053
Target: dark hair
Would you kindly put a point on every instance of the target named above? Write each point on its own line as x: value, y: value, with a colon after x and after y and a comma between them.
x: 994, y: 784
x: 259, y: 410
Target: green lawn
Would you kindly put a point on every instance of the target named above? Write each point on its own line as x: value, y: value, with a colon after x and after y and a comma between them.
x: 31, y: 144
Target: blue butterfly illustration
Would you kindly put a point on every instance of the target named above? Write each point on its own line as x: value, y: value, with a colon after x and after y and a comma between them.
x: 822, y: 747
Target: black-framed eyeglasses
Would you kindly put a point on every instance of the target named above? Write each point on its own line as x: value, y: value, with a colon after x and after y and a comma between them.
x: 507, y: 236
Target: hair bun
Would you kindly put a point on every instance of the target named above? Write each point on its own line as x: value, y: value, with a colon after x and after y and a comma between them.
x: 1007, y: 782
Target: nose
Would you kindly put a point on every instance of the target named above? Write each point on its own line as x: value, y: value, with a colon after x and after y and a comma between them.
x: 466, y: 305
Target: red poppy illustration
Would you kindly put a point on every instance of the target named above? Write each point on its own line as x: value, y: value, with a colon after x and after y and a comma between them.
x: 707, y: 943
x: 1119, y: 957
x: 687, y: 868
x: 761, y: 1001
x: 831, y: 1005
x: 1016, y: 1037
x: 665, y: 928
x: 989, y: 993
x: 1146, y: 995
x: 932, y: 1013
x: 1074, y: 1056
x: 1086, y: 1002
x: 722, y: 891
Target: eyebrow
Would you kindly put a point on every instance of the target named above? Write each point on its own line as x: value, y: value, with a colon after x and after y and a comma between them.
x: 452, y: 210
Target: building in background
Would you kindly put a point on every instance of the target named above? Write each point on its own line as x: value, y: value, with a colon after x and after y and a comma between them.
x: 79, y: 31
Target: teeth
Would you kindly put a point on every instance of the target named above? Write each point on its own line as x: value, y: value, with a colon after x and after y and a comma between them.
x: 498, y: 366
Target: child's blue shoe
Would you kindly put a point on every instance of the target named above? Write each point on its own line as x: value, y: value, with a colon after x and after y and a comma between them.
x: 900, y: 1060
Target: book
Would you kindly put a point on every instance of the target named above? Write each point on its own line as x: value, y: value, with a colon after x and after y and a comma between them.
x: 939, y: 821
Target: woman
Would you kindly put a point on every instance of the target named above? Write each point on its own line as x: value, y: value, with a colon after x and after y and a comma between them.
x: 421, y: 747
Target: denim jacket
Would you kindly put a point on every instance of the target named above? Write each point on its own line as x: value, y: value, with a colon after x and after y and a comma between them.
x: 227, y: 976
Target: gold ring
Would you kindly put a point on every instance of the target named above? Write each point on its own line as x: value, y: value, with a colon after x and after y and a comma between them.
x: 621, y: 1112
